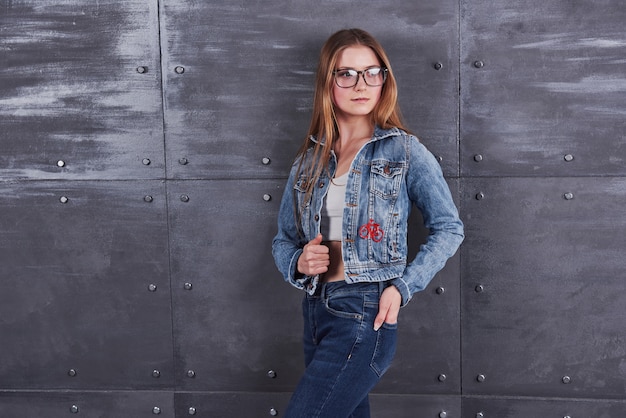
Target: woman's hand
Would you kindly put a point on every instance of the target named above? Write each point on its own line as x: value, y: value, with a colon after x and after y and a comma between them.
x: 315, y: 258
x: 388, y: 307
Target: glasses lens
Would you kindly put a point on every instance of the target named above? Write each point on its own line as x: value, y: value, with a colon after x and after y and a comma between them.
x: 373, y: 77
x: 346, y: 78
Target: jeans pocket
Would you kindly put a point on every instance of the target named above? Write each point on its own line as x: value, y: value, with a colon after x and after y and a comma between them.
x: 347, y: 305
x: 386, y: 339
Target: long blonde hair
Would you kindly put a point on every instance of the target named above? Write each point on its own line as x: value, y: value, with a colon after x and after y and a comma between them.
x: 323, y: 125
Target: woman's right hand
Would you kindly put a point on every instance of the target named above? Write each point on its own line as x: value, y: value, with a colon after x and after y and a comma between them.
x: 315, y: 258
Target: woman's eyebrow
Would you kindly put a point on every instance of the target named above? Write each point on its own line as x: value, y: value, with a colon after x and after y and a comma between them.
x: 366, y: 68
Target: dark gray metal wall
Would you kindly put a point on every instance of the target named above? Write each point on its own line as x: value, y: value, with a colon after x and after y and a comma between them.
x: 144, y: 147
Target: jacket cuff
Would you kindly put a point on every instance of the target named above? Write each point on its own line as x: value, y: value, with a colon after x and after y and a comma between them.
x: 403, y: 288
x: 295, y: 278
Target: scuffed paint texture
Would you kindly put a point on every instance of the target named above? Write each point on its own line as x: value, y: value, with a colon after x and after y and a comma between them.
x: 247, y: 89
x: 70, y: 90
x: 553, y: 83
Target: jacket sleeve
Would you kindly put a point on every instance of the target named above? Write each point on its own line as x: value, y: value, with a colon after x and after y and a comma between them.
x: 288, y: 243
x: 430, y: 193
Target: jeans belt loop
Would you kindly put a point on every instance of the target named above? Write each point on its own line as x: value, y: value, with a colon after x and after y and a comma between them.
x: 381, y: 286
x: 321, y: 290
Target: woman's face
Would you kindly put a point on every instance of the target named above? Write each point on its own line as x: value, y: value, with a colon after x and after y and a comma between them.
x: 359, y: 100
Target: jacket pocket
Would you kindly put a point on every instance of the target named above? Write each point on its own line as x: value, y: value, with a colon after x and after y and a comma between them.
x: 301, y: 183
x: 385, y: 178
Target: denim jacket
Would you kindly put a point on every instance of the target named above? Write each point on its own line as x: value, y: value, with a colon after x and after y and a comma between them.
x: 389, y: 174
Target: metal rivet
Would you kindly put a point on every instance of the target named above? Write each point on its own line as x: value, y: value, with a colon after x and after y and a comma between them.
x: 184, y: 198
x: 61, y: 163
x: 568, y: 196
x: 480, y: 378
x: 442, y: 377
x: 479, y: 64
x: 188, y: 286
x: 183, y: 161
x: 179, y: 69
x: 74, y: 409
x: 438, y: 66
x: 156, y: 410
x: 478, y: 158
x: 191, y: 374
x: 142, y: 69
x: 440, y: 290
x: 271, y: 374
x: 568, y: 157
x: 480, y: 196
x: 148, y: 198
x: 480, y: 415
x: 566, y: 380
x: 152, y: 287
x: 71, y: 372
x: 567, y: 416
x: 266, y: 161
x: 479, y: 289
x: 443, y: 414
x: 146, y: 161
x: 156, y: 373
x: 439, y: 158
x: 64, y: 199
x: 267, y: 197
x: 273, y: 412
x: 192, y: 410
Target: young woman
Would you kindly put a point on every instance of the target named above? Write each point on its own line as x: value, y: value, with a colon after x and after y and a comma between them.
x: 342, y: 227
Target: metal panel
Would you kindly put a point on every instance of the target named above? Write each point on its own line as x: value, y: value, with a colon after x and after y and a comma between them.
x: 231, y: 404
x: 238, y: 81
x: 86, y: 404
x: 428, y: 355
x: 80, y: 90
x: 543, y: 311
x: 212, y: 229
x: 405, y: 406
x: 76, y: 306
x: 237, y: 324
x: 261, y: 405
x: 558, y: 408
x: 543, y: 88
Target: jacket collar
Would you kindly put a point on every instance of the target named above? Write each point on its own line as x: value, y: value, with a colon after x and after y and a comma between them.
x: 379, y: 134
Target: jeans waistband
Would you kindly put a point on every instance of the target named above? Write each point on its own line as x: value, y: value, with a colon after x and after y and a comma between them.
x: 323, y: 288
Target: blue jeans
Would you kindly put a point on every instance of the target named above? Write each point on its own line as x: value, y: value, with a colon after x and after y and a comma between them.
x: 344, y: 356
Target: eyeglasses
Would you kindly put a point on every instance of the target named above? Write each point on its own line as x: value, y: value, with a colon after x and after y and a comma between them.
x: 373, y: 77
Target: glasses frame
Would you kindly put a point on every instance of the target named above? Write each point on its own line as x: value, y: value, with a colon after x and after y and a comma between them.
x: 361, y: 74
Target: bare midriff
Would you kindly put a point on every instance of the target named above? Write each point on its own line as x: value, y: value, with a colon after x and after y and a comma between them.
x: 335, y: 271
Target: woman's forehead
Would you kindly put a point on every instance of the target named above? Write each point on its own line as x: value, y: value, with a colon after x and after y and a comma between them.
x: 357, y: 56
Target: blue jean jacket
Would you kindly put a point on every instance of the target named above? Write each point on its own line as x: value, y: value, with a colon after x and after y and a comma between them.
x: 389, y: 174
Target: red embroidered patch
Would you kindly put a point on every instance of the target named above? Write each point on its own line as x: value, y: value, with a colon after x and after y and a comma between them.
x: 371, y: 230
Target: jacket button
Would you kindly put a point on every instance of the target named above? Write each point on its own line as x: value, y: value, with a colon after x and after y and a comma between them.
x: 322, y: 185
x: 317, y: 217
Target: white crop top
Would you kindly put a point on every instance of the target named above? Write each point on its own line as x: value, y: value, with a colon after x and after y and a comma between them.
x: 332, y: 211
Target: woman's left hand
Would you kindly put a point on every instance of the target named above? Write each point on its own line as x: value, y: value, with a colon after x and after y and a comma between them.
x: 388, y: 307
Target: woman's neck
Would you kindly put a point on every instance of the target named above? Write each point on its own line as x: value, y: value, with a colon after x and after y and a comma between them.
x: 352, y: 136
x: 353, y: 131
